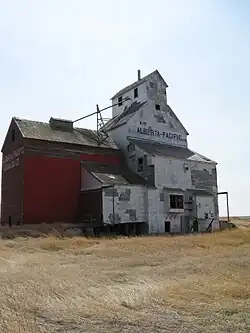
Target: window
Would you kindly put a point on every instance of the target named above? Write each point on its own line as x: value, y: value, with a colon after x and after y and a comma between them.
x: 140, y: 164
x: 157, y: 107
x: 120, y: 101
x: 13, y: 135
x: 135, y: 92
x: 176, y: 201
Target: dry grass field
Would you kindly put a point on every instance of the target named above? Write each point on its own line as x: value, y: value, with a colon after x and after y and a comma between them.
x: 146, y: 284
x: 241, y: 221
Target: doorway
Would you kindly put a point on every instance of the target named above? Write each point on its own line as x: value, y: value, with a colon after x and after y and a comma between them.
x: 185, y: 224
x: 167, y: 226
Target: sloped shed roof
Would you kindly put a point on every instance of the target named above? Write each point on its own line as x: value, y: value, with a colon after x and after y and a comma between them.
x: 113, y: 174
x: 43, y: 131
x: 124, y: 116
x: 171, y: 151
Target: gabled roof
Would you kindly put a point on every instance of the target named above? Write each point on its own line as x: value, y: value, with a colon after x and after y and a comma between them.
x: 137, y: 83
x: 170, y: 151
x: 43, y: 131
x: 113, y: 174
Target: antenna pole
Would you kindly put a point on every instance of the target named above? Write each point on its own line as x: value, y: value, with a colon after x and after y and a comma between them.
x: 97, y: 123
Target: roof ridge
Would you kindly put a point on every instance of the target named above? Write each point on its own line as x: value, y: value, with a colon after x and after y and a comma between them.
x: 30, y: 120
x: 33, y: 129
x: 138, y: 82
x: 47, y: 123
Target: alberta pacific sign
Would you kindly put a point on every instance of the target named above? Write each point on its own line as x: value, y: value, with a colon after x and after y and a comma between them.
x: 153, y: 134
x: 163, y: 134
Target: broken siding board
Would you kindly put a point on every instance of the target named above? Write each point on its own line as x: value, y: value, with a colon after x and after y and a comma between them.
x: 170, y: 173
x: 126, y: 205
x: 156, y: 216
x: 205, y: 207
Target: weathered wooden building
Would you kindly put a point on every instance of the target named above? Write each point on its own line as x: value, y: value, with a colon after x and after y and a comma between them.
x: 142, y: 177
x: 41, y: 170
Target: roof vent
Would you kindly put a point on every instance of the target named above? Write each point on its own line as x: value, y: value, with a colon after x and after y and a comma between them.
x: 61, y: 124
x: 138, y: 74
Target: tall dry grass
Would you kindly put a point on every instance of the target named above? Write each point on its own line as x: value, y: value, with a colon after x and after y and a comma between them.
x: 146, y: 284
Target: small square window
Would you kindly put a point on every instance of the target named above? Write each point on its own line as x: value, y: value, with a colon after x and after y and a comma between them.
x: 13, y: 135
x: 120, y: 101
x: 157, y: 107
x: 135, y: 92
x: 176, y: 201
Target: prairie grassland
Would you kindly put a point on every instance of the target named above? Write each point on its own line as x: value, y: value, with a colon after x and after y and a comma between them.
x: 241, y: 222
x: 146, y: 284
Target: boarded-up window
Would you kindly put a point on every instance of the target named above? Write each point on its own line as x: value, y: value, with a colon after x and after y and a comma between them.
x: 135, y: 92
x: 120, y: 101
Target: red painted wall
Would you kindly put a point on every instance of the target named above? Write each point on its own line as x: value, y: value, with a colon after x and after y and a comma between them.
x: 52, y: 187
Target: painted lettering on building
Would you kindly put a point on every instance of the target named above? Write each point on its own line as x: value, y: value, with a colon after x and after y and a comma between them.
x: 160, y: 134
x: 12, y: 160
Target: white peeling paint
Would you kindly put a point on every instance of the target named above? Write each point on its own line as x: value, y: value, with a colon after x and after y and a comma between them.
x: 171, y: 175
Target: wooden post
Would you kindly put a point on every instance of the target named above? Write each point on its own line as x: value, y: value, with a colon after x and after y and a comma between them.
x: 228, y: 217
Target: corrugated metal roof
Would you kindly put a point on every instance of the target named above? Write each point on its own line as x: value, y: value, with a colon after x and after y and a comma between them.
x: 43, y: 131
x: 113, y: 174
x: 137, y: 83
x: 170, y: 151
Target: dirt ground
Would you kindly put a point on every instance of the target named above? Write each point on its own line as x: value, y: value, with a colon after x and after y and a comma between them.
x: 146, y: 284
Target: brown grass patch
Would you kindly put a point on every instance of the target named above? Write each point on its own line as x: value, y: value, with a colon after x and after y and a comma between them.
x: 150, y: 284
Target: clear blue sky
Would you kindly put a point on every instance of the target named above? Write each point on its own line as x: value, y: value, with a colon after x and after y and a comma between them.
x: 61, y: 57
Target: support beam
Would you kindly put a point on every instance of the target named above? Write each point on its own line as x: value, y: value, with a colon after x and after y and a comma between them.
x: 226, y: 193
